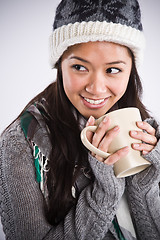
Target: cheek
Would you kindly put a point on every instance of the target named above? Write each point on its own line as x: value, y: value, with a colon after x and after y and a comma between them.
x: 67, y: 79
x: 71, y: 83
x: 119, y: 88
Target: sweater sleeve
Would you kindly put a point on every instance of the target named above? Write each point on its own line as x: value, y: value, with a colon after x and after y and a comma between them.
x: 144, y: 194
x: 21, y: 205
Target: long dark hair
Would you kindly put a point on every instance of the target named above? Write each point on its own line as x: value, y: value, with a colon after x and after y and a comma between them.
x: 64, y: 131
x: 67, y: 148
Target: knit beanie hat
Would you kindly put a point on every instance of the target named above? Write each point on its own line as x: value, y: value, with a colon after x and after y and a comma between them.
x: 81, y: 21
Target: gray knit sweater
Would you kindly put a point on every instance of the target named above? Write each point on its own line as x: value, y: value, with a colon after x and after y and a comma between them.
x: 21, y: 200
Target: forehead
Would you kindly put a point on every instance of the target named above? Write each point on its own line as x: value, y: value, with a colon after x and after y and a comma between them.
x: 97, y: 48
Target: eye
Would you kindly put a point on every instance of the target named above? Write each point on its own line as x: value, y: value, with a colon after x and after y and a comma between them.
x: 78, y: 67
x: 113, y: 70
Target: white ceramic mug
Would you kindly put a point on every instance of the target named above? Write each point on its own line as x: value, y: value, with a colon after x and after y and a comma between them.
x: 126, y: 119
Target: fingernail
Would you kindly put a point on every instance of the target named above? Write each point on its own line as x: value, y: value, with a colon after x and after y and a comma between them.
x: 144, y: 152
x: 136, y: 145
x: 140, y: 123
x: 126, y: 149
x: 89, y: 120
x: 105, y: 119
x: 134, y: 132
x: 116, y: 128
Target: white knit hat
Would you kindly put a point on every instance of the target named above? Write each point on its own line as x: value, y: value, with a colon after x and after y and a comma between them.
x: 117, y: 21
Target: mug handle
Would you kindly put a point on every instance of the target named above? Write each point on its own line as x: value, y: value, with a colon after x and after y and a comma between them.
x: 88, y: 145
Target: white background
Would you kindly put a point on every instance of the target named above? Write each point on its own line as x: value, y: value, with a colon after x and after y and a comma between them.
x: 25, y: 27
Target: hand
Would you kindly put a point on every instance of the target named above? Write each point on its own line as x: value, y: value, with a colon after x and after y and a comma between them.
x: 102, y: 139
x: 148, y: 138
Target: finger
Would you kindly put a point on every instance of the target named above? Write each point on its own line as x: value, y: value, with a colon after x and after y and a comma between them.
x: 90, y: 122
x: 105, y: 142
x: 99, y: 158
x: 108, y: 138
x: 147, y: 127
x: 145, y: 137
x: 117, y: 155
x: 144, y: 152
x: 101, y: 131
x: 142, y: 147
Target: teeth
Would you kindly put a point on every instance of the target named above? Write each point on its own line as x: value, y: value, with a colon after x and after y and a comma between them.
x: 94, y: 101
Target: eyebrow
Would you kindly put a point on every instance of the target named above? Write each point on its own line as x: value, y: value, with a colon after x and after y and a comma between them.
x: 111, y: 63
x: 116, y: 62
x: 79, y: 58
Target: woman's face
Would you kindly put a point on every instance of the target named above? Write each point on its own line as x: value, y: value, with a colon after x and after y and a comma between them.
x: 95, y: 76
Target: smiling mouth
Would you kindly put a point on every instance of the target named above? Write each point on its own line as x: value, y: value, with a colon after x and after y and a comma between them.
x: 95, y: 102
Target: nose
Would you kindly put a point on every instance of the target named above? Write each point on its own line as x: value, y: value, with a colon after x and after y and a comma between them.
x: 96, y: 84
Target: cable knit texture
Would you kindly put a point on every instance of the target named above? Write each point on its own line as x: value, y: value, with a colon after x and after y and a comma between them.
x: 84, y: 32
x: 143, y: 193
x: 21, y: 200
x: 116, y: 21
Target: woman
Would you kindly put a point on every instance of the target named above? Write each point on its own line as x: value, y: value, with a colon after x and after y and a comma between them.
x: 51, y: 186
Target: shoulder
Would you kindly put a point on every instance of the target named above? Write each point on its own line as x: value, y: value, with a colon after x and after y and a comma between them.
x: 29, y: 128
x: 35, y: 128
x: 12, y: 135
x: 15, y: 152
x: 25, y: 146
x: 13, y: 142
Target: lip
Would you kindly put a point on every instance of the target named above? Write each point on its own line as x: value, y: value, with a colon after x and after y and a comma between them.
x: 92, y: 105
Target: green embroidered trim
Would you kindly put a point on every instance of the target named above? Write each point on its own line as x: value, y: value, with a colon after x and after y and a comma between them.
x: 26, y: 119
x: 118, y: 231
x: 27, y: 122
x: 36, y: 155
